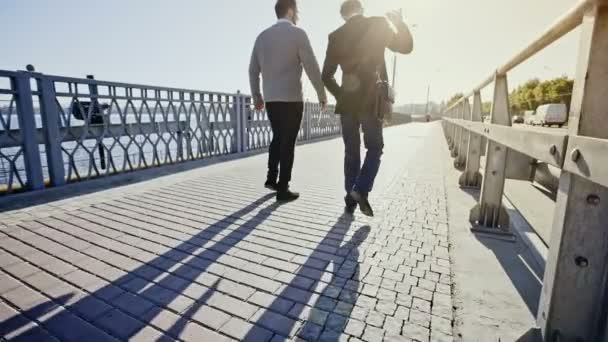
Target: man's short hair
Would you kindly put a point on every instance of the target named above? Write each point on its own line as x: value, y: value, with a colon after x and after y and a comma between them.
x: 349, y: 7
x: 283, y: 6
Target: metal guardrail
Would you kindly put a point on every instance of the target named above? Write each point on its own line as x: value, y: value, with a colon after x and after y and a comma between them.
x: 71, y: 129
x: 574, y: 300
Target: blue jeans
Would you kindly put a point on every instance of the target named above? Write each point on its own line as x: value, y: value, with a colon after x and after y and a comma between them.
x: 357, y: 177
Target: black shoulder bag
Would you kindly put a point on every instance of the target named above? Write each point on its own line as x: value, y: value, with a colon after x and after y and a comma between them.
x: 385, y: 97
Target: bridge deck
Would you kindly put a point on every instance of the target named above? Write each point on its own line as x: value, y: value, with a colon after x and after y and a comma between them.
x: 207, y: 255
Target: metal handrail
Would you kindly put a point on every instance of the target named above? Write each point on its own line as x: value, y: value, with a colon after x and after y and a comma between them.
x: 564, y: 25
x: 86, y: 81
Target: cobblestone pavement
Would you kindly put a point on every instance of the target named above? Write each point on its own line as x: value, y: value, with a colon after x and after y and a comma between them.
x: 207, y: 255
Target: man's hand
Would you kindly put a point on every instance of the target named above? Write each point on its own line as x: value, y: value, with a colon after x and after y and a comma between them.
x: 323, y: 105
x: 259, y: 105
x: 395, y: 17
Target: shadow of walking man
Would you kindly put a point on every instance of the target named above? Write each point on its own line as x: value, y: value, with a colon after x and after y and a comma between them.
x: 323, y: 314
x: 167, y: 277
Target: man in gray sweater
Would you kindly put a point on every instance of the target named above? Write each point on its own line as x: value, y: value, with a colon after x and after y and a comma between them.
x: 279, y: 55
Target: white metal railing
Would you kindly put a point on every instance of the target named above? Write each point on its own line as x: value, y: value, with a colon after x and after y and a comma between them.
x: 574, y: 298
x: 71, y: 129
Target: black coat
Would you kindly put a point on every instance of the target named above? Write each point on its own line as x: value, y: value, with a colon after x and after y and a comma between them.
x: 358, y: 48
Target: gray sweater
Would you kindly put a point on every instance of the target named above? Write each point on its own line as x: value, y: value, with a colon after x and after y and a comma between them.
x: 279, y: 54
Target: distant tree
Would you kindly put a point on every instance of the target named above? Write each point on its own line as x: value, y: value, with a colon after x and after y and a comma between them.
x: 454, y: 99
x: 532, y: 94
x: 486, y: 107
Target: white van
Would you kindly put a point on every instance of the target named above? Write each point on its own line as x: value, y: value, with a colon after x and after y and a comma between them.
x: 551, y: 114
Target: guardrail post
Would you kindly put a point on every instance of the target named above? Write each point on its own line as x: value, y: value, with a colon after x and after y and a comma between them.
x: 457, y: 133
x: 574, y: 296
x: 452, y: 129
x: 490, y: 213
x: 461, y: 158
x: 29, y: 134
x: 52, y: 134
x: 471, y: 176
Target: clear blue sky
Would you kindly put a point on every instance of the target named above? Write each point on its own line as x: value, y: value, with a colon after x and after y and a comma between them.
x: 206, y: 44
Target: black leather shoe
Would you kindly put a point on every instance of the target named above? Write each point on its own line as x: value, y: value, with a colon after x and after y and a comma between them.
x: 364, y: 205
x: 287, y: 196
x: 271, y: 186
x: 351, y: 205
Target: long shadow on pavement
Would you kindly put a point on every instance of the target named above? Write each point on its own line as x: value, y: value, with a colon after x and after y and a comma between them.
x: 166, y: 290
x: 327, y: 317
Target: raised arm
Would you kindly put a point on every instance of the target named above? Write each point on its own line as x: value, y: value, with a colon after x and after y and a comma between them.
x: 329, y: 70
x: 402, y: 40
x: 254, y: 78
x: 309, y: 61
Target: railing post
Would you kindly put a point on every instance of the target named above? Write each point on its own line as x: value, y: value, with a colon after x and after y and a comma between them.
x: 307, y: 120
x: 237, y: 118
x: 471, y: 176
x: 247, y: 118
x: 461, y: 158
x: 94, y: 95
x: 574, y: 296
x: 29, y: 134
x: 489, y: 212
x: 51, y: 127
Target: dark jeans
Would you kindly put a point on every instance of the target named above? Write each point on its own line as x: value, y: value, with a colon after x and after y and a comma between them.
x: 357, y: 177
x: 285, y: 119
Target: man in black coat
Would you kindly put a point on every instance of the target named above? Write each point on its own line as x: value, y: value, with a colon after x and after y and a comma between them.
x: 358, y: 48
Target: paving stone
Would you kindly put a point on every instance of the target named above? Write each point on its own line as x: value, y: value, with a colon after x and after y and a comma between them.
x: 163, y: 320
x: 208, y: 316
x: 426, y: 284
x: 392, y: 326
x: 344, y: 309
x: 271, y: 302
x: 118, y: 324
x: 277, y: 323
x: 232, y: 305
x: 386, y: 307
x: 149, y: 334
x: 421, y: 305
x: 422, y: 293
x: 354, y: 327
x: 441, y: 325
x: 244, y: 331
x: 21, y: 270
x: 415, y: 332
x: 375, y: 318
x: 420, y: 318
x: 372, y: 334
x: 90, y: 308
x: 132, y: 304
x: 310, y: 331
x: 437, y: 336
x: 388, y: 295
x: 402, y: 313
x: 336, y: 322
x: 194, y: 332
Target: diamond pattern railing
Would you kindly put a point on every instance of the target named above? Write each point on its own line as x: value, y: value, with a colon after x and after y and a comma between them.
x: 84, y: 128
x: 12, y: 170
